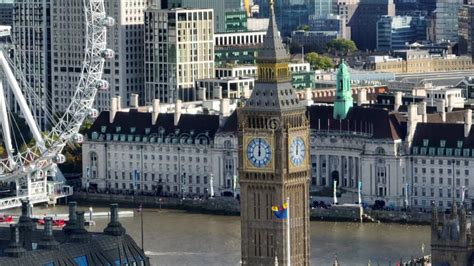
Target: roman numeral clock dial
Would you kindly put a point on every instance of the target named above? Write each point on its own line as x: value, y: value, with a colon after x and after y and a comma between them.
x: 258, y: 154
x: 297, y: 152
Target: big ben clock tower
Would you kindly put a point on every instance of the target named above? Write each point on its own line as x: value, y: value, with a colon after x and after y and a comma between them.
x: 274, y: 161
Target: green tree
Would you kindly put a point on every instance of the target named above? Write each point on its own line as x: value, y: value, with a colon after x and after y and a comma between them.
x: 304, y: 27
x: 319, y: 61
x: 341, y: 47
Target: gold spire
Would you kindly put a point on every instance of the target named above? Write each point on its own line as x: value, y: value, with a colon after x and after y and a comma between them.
x: 271, y: 6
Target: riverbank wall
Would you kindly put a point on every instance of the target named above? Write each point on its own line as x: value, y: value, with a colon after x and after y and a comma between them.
x: 231, y: 206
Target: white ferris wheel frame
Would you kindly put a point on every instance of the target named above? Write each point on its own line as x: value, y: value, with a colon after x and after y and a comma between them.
x: 29, y: 169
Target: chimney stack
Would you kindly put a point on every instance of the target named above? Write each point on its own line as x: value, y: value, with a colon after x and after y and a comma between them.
x: 441, y: 108
x: 450, y: 102
x: 114, y: 227
x: 217, y: 92
x: 48, y: 242
x: 412, y: 121
x: 113, y: 109
x: 119, y: 103
x: 26, y: 225
x: 134, y: 100
x: 72, y: 218
x: 79, y: 233
x: 361, y: 97
x: 225, y: 107
x: 467, y: 122
x: 177, y: 111
x: 398, y: 101
x: 14, y: 249
x: 422, y: 111
x: 155, y: 111
x: 201, y: 94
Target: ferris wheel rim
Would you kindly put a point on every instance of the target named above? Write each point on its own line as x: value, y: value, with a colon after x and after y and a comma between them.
x: 35, y: 158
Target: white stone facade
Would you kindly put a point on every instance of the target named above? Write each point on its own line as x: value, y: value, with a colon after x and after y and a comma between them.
x: 150, y: 168
x: 400, y: 171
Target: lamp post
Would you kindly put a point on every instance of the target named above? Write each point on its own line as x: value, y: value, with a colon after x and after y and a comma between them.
x: 183, y: 185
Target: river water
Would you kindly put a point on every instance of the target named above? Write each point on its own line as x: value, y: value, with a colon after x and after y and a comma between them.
x: 180, y: 238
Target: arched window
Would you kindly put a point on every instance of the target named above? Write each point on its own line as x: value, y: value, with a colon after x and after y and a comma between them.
x: 227, y: 144
x: 380, y: 151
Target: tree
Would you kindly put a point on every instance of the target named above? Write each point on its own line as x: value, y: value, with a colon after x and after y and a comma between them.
x: 341, y: 47
x: 304, y: 27
x: 319, y: 61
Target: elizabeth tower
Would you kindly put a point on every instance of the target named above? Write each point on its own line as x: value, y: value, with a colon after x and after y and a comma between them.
x: 273, y: 161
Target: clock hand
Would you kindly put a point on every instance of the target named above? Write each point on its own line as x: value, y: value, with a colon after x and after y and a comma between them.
x: 259, y: 147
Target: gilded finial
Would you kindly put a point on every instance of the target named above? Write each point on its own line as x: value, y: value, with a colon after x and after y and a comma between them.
x: 272, y: 5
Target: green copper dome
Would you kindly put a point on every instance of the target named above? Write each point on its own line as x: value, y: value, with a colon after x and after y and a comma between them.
x: 343, y: 101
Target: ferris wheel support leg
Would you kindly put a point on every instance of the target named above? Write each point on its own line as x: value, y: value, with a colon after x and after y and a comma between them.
x: 5, y: 124
x: 22, y: 102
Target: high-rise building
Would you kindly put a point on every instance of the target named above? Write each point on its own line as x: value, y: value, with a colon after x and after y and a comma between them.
x: 124, y: 72
x: 274, y: 160
x: 68, y: 42
x: 443, y: 22
x: 320, y: 8
x: 6, y: 12
x: 394, y: 33
x: 31, y: 33
x: 345, y: 9
x: 289, y: 14
x: 179, y: 49
x: 364, y: 21
x: 466, y: 30
x: 220, y: 8
x: 235, y: 21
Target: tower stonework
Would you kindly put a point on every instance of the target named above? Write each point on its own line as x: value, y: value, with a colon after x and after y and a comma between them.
x: 273, y: 161
x: 452, y: 241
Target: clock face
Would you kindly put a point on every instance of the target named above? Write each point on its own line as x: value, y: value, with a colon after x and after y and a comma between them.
x: 297, y: 151
x: 259, y: 152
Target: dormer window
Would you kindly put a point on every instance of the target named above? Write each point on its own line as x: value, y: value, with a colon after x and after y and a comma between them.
x: 442, y: 143
x: 133, y: 129
x: 103, y: 129
x: 118, y: 129
x: 460, y: 142
x: 147, y: 130
x: 426, y: 142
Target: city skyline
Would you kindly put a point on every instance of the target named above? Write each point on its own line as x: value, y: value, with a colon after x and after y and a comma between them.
x: 287, y: 113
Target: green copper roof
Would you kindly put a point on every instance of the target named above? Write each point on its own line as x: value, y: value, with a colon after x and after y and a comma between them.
x: 343, y: 101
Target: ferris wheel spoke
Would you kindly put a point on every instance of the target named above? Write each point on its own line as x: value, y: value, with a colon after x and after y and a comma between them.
x: 7, y: 140
x: 20, y: 99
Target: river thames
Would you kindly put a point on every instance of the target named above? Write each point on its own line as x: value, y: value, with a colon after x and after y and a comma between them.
x: 180, y: 238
